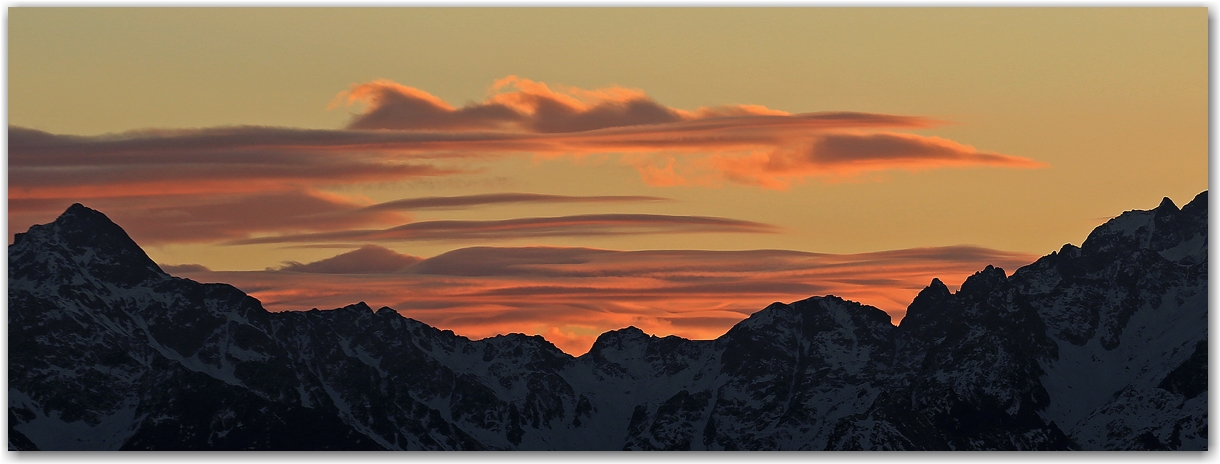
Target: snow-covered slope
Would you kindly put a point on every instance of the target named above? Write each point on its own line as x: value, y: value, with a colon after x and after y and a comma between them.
x: 1098, y: 347
x: 1128, y: 314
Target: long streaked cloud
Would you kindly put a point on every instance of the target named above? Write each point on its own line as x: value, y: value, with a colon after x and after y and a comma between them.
x: 753, y: 145
x: 160, y: 219
x: 585, y: 225
x: 406, y: 133
x: 202, y: 161
x: 570, y: 295
x: 848, y: 154
x: 465, y: 201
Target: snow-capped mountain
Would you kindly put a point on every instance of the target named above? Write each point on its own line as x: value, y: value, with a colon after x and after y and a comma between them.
x: 1098, y: 347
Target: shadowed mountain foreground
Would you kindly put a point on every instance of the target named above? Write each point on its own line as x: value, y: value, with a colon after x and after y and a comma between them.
x: 1098, y: 347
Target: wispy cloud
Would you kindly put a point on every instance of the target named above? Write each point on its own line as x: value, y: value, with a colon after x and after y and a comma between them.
x: 405, y: 133
x: 561, y: 226
x: 160, y: 219
x: 465, y: 201
x: 254, y: 184
x: 184, y: 218
x: 745, y: 144
x: 203, y: 161
x: 846, y: 154
x: 570, y: 295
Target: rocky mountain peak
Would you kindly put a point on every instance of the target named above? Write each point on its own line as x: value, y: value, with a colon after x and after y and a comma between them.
x: 983, y: 281
x: 1166, y: 205
x: 82, y: 237
x: 1197, y: 205
x: 935, y: 290
x: 81, y: 225
x: 385, y: 311
x: 618, y: 339
x: 1157, y: 229
x: 361, y: 307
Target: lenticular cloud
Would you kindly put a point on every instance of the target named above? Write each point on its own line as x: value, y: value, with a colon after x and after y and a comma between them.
x: 403, y: 134
x: 743, y: 144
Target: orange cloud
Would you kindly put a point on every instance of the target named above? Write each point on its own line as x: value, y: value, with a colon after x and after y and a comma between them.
x: 159, y: 219
x: 577, y: 110
x: 570, y: 295
x: 406, y: 133
x: 166, y: 217
x: 562, y: 226
x: 395, y: 106
x: 518, y: 104
x: 441, y: 141
x: 465, y: 201
x: 848, y: 154
x: 746, y: 144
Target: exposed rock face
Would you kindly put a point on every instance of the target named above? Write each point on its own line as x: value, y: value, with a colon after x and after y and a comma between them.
x: 1098, y: 347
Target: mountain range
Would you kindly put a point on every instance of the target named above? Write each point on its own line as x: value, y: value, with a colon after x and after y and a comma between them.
x: 1096, y: 347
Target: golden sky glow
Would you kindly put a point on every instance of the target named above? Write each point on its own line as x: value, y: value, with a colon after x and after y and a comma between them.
x: 241, y: 140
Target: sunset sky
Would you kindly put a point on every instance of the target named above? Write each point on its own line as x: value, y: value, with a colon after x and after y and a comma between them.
x: 565, y: 172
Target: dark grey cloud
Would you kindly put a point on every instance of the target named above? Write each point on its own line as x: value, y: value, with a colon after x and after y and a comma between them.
x: 174, y: 269
x: 368, y: 259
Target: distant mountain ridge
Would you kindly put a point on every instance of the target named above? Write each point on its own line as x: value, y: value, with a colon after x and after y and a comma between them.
x: 1102, y: 346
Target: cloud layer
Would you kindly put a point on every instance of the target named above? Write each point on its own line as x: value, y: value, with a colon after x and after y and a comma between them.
x: 277, y: 185
x: 584, y: 225
x: 570, y: 295
x: 306, y: 214
x: 745, y: 144
x: 848, y: 154
x: 520, y: 105
x: 405, y: 133
x: 465, y: 201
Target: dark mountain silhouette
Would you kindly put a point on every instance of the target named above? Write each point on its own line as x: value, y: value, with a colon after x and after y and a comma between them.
x: 1098, y: 347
